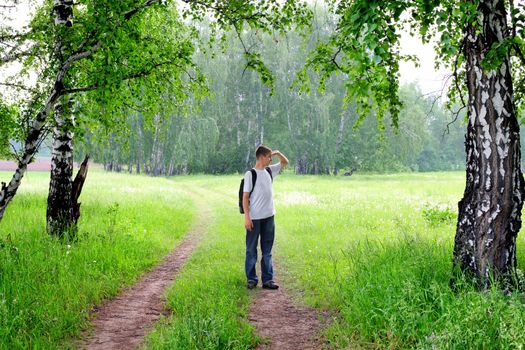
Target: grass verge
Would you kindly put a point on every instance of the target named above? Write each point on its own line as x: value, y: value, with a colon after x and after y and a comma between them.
x: 48, y: 287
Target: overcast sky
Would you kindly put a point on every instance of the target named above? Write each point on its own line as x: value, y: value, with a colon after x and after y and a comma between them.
x: 426, y: 76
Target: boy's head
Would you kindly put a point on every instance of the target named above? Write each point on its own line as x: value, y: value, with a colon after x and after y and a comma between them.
x: 263, y: 152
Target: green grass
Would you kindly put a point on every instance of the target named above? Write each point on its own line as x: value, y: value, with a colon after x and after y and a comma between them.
x: 365, y: 248
x: 374, y: 250
x: 47, y: 287
x: 209, y: 300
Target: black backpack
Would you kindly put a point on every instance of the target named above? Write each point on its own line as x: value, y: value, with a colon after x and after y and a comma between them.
x: 254, y: 180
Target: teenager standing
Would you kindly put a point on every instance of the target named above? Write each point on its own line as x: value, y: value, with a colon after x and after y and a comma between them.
x: 259, y: 215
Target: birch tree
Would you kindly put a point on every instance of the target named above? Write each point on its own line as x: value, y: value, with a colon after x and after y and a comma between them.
x: 59, y: 215
x: 67, y: 59
x: 114, y: 43
x: 475, y: 39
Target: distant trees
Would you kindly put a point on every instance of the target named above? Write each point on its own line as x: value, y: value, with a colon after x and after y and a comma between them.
x: 220, y: 133
x: 112, y: 57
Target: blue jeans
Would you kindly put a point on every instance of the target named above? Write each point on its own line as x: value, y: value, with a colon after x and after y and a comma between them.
x: 264, y: 228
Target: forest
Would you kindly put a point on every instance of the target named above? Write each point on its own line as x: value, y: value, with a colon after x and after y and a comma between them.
x: 321, y: 131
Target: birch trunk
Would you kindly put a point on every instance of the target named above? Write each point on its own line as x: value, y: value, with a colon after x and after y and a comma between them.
x: 339, y: 139
x: 140, y: 146
x: 76, y: 189
x: 490, y: 212
x: 259, y: 139
x: 63, y: 16
x: 239, y: 119
x: 249, y: 149
x: 156, y: 147
x: 59, y: 200
x: 59, y: 203
x: 32, y: 142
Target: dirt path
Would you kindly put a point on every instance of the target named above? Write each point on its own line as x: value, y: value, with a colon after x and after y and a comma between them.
x: 282, y: 323
x: 122, y: 322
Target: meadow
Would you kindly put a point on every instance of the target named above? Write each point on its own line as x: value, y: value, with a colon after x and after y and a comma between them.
x: 49, y: 287
x: 374, y: 251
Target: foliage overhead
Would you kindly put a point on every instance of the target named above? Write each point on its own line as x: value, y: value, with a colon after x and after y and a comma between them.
x: 365, y: 47
x: 314, y: 130
x: 114, y: 56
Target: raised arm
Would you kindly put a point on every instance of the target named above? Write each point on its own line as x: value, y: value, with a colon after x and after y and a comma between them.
x: 282, y: 158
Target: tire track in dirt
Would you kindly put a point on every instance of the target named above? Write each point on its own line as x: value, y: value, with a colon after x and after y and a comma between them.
x: 283, y: 324
x: 123, y: 322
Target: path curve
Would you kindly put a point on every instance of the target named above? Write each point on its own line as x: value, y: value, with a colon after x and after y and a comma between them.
x: 123, y: 322
x: 285, y: 325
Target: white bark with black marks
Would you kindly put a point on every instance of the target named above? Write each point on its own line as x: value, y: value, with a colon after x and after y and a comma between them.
x: 7, y: 192
x: 490, y: 211
x: 59, y: 201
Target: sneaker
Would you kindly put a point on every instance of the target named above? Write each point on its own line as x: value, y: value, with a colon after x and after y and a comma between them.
x: 270, y: 285
x: 251, y: 284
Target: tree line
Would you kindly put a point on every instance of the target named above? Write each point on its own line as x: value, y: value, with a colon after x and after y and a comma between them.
x: 320, y: 131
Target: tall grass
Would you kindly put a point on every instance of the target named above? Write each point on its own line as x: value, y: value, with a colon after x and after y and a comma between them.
x: 367, y: 249
x: 48, y: 287
x: 375, y: 250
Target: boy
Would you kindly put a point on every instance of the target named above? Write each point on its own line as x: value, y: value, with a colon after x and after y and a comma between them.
x: 259, y: 215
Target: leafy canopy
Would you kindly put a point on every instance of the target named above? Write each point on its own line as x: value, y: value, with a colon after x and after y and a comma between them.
x: 365, y: 48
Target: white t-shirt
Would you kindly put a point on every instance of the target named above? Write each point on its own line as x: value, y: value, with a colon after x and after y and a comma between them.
x: 261, y: 200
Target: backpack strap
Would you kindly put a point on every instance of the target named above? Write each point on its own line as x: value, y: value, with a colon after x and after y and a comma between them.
x: 269, y: 172
x: 254, y: 179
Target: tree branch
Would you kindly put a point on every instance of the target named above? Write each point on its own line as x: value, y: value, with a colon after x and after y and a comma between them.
x: 75, y: 57
x: 13, y: 56
x: 456, y: 115
x: 246, y: 50
x: 140, y: 110
x: 13, y: 36
x: 132, y: 12
x: 436, y: 98
x: 140, y: 74
x: 14, y: 152
x: 33, y: 91
x: 81, y: 89
x: 455, y: 72
x: 334, y: 61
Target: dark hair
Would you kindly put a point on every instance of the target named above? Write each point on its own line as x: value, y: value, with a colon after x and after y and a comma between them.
x: 262, y: 151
